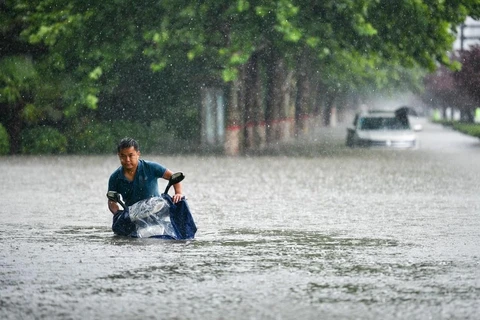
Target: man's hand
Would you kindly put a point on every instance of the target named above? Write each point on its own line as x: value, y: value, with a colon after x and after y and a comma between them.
x: 113, y: 206
x: 177, y: 186
x: 177, y: 197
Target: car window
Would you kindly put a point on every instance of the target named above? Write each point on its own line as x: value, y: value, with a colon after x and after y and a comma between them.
x: 383, y: 123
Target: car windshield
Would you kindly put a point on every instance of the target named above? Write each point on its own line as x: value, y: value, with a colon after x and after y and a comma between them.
x: 383, y: 123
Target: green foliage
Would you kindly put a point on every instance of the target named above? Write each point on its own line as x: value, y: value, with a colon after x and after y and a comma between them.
x: 94, y: 138
x: 43, y: 140
x: 4, y: 141
x: 467, y: 128
x: 17, y: 76
x: 471, y: 129
x: 51, y: 27
x: 145, y: 61
x: 102, y: 138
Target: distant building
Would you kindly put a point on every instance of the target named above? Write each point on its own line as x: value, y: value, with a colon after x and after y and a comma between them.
x: 468, y: 35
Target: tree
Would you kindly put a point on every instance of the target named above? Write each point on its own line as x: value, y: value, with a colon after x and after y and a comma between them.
x: 467, y: 81
x: 88, y: 64
x: 440, y: 89
x: 32, y: 89
x: 17, y: 79
x: 288, y: 48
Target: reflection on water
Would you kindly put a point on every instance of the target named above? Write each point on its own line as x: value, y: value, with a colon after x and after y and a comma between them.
x: 342, y: 234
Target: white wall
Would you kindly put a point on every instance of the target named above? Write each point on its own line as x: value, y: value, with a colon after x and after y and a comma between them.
x: 468, y: 32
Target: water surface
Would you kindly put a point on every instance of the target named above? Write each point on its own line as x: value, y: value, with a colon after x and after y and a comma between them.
x: 330, y: 233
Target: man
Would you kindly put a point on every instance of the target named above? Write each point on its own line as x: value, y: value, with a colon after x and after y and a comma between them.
x: 136, y: 179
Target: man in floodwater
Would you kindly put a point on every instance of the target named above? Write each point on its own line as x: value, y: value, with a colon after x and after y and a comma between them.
x: 136, y: 179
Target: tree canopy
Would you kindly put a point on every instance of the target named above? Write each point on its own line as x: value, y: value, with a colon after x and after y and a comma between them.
x: 147, y: 60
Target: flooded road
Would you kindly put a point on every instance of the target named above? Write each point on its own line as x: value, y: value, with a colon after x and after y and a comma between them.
x: 332, y: 233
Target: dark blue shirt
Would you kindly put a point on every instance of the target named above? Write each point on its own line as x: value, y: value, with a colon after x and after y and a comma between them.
x: 143, y: 186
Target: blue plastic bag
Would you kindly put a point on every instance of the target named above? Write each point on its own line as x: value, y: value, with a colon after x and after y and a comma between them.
x: 156, y: 217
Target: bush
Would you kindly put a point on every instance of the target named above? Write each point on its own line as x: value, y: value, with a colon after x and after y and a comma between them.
x: 43, y: 140
x: 102, y: 138
x: 159, y: 138
x: 444, y: 122
x: 468, y: 128
x: 4, y: 141
x: 94, y: 138
x: 135, y: 130
x: 472, y: 129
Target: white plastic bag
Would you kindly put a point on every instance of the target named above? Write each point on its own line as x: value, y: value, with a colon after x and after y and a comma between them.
x: 151, y: 218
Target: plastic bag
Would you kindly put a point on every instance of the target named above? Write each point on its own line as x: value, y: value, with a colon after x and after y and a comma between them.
x: 156, y: 217
x: 152, y: 218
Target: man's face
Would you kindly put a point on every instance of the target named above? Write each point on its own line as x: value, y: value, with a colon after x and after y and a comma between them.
x: 129, y: 158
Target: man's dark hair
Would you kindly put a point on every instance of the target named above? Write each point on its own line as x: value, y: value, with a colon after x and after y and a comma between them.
x: 126, y: 143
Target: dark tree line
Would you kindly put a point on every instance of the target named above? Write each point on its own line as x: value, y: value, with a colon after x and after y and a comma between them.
x: 456, y: 89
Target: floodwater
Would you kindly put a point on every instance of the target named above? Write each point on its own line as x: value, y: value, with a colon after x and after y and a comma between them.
x: 331, y: 233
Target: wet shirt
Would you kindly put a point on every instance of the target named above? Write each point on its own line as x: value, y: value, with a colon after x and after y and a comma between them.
x: 143, y: 186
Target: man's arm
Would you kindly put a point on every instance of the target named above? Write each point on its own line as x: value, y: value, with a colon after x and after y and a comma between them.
x: 177, y: 187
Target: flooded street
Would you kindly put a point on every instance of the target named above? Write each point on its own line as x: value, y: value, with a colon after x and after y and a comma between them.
x: 332, y: 233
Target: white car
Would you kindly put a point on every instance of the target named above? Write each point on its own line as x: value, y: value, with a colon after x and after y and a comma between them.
x: 388, y: 129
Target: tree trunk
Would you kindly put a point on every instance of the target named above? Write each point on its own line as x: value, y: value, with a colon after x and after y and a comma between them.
x: 316, y: 109
x: 328, y: 107
x: 286, y: 125
x: 302, y: 103
x: 233, y: 134
x: 277, y: 114
x: 11, y: 118
x: 272, y: 111
x: 303, y: 97
x: 259, y: 115
x: 250, y: 91
x: 253, y: 116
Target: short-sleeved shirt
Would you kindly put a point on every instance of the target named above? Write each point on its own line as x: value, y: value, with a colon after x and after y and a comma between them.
x: 143, y: 186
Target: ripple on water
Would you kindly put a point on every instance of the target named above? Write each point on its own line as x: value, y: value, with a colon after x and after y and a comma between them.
x: 347, y: 234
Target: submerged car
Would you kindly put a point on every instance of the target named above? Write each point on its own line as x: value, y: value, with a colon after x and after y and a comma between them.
x: 388, y: 129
